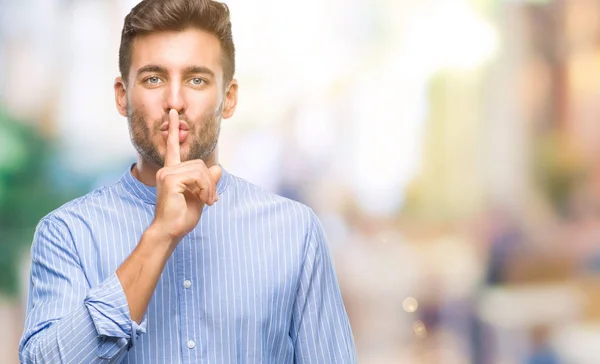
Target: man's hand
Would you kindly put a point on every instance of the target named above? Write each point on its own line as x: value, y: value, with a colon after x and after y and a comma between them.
x: 182, y: 188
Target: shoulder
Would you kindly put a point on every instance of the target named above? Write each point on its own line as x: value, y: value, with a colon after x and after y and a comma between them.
x: 261, y: 201
x: 81, y: 208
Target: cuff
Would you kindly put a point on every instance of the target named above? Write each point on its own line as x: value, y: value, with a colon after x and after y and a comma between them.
x: 109, y: 310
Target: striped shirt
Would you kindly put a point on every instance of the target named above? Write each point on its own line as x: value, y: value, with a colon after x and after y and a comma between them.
x: 252, y: 283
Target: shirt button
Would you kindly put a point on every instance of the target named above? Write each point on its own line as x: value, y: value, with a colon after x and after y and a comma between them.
x: 191, y: 344
x: 187, y: 283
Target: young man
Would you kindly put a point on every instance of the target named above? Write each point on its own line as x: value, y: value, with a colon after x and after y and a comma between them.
x: 180, y: 261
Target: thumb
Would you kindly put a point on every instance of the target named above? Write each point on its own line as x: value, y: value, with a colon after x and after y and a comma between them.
x: 215, y: 173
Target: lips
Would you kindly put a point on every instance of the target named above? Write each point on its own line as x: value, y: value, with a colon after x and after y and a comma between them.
x: 182, y: 135
x: 183, y: 130
x: 182, y: 126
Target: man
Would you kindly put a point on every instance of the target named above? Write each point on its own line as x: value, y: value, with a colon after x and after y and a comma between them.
x: 180, y: 261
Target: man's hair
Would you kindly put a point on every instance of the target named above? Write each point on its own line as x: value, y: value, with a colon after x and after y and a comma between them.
x: 151, y: 16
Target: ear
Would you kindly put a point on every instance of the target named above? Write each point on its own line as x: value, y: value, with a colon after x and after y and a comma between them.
x: 230, y: 101
x: 121, y: 96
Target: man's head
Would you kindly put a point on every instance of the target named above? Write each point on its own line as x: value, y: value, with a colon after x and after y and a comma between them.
x: 176, y: 54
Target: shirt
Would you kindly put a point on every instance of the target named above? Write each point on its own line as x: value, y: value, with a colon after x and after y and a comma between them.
x: 253, y: 282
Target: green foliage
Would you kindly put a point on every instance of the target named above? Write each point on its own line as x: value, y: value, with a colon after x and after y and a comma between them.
x: 26, y: 193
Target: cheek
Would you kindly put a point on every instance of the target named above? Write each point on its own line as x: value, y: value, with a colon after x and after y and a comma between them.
x: 146, y: 102
x: 141, y: 121
x: 201, y: 105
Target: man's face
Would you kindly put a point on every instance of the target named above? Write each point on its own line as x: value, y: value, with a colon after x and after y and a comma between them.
x: 181, y: 71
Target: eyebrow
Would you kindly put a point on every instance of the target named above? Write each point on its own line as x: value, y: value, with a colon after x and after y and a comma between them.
x: 198, y: 69
x: 187, y: 70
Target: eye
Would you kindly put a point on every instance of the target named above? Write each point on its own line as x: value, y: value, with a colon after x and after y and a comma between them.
x: 196, y: 81
x: 153, y: 80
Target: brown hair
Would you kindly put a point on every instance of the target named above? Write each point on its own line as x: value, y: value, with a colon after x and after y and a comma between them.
x: 176, y: 15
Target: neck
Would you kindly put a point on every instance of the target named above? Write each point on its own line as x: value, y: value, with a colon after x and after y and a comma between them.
x: 145, y: 171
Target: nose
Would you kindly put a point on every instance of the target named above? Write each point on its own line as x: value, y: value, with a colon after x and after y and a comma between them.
x: 175, y: 98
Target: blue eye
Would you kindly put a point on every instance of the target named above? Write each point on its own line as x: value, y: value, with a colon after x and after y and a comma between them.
x: 153, y: 80
x: 197, y: 81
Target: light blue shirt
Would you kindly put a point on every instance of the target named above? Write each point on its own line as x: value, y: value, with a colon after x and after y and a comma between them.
x: 252, y: 283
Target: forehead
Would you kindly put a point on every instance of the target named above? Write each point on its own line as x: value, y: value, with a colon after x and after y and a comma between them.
x: 177, y: 50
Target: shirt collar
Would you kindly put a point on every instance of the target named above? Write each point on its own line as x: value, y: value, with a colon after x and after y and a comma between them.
x: 148, y: 193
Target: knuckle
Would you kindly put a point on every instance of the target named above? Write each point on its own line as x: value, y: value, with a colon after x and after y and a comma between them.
x: 198, y: 175
x: 170, y: 180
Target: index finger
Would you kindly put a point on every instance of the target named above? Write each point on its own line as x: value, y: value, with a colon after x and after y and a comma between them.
x: 172, y: 156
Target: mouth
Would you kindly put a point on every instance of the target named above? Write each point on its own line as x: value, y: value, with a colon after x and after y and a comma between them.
x: 182, y: 135
x: 183, y: 130
x: 183, y: 125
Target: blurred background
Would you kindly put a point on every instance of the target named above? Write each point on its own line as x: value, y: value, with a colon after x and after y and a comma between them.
x: 450, y: 147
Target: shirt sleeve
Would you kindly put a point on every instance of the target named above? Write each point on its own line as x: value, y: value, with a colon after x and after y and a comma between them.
x: 67, y: 321
x: 320, y: 327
